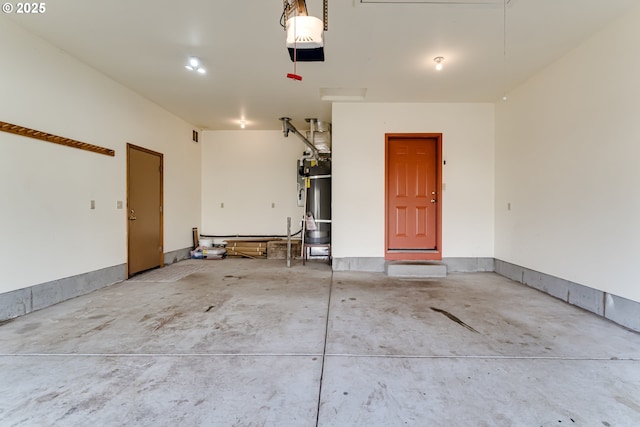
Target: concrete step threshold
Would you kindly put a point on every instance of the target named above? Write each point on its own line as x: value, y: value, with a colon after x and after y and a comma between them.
x: 415, y: 269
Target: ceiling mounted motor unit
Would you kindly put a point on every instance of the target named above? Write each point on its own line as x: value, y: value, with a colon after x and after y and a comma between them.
x: 305, y: 34
x: 305, y: 40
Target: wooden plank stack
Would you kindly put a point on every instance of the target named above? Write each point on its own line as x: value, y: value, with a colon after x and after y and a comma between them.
x: 254, y: 248
x: 271, y: 248
x: 277, y: 249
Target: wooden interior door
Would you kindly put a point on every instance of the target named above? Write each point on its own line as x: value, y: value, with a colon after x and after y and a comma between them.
x: 413, y: 187
x: 144, y: 210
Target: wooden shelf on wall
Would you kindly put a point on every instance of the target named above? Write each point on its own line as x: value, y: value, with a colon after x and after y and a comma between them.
x: 55, y: 139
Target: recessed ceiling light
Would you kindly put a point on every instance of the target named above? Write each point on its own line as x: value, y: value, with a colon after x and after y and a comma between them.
x: 194, y: 65
x: 438, y: 60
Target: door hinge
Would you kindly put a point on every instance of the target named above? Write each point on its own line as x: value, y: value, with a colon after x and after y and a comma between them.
x: 160, y: 249
x: 160, y: 209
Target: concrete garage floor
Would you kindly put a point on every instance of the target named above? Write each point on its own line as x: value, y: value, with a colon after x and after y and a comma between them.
x: 252, y: 343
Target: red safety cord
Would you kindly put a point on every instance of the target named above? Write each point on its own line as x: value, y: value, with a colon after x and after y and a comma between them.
x: 293, y: 75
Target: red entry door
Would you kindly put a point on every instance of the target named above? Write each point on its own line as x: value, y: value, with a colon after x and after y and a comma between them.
x: 412, y: 194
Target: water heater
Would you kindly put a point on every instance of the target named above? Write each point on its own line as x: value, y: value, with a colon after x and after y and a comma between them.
x: 318, y: 200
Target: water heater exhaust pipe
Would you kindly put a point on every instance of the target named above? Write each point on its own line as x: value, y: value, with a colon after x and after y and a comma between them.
x: 287, y: 126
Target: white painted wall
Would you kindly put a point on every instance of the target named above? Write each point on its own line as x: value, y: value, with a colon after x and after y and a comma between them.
x: 358, y: 174
x: 47, y: 229
x: 248, y: 171
x: 567, y: 159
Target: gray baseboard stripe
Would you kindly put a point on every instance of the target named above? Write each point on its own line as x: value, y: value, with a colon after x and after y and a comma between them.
x: 175, y: 256
x: 454, y: 265
x: 22, y: 301
x: 469, y: 265
x: 620, y: 310
x: 374, y: 265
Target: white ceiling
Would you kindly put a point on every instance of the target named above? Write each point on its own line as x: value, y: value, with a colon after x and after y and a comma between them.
x: 385, y: 46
